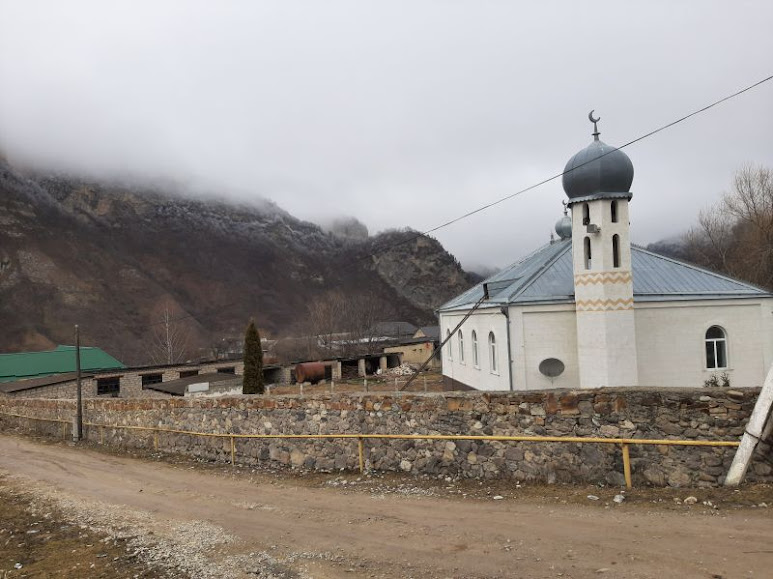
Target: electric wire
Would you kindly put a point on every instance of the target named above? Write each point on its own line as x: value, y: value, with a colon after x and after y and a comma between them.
x: 561, y: 174
x: 383, y: 249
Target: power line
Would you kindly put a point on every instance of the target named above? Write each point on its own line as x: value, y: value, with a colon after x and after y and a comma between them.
x: 556, y: 176
x: 385, y: 248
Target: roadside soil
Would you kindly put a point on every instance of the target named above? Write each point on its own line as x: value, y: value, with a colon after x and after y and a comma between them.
x: 38, y: 540
x: 214, y: 520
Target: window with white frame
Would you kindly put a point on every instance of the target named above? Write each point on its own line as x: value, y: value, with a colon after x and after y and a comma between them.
x: 449, y: 346
x: 492, y: 346
x: 475, y: 349
x: 716, y: 348
x: 461, y: 347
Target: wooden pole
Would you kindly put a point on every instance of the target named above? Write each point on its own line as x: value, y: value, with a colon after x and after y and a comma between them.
x: 755, y: 429
x: 79, y: 393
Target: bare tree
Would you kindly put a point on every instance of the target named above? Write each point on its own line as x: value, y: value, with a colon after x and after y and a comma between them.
x: 345, y: 325
x: 169, y: 338
x: 735, y: 236
x: 711, y: 242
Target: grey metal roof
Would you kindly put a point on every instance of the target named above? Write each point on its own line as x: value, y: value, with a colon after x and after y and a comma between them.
x: 177, y: 387
x: 432, y: 332
x: 546, y: 276
x: 32, y: 383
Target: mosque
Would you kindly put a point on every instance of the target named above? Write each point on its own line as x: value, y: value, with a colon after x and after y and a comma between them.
x: 590, y: 310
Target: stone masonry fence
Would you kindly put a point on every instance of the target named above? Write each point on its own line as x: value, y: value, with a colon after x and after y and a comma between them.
x: 672, y: 414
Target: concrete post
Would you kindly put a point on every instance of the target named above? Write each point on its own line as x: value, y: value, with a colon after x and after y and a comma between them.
x: 361, y: 367
x: 382, y: 363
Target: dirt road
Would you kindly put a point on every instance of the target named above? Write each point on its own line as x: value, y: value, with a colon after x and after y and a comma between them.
x: 283, y: 528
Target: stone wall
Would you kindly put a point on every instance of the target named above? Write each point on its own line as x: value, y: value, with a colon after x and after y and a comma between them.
x: 710, y: 414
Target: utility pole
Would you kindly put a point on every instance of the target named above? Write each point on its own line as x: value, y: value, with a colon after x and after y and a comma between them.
x: 79, y: 395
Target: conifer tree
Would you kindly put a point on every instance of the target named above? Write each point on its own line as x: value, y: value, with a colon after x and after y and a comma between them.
x: 253, y: 361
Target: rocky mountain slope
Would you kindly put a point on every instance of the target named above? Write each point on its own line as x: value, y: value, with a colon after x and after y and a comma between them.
x: 113, y: 258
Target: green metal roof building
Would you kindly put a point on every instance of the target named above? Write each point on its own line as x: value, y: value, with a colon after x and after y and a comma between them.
x: 25, y: 365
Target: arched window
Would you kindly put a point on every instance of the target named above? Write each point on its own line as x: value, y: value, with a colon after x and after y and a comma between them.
x: 586, y: 245
x: 615, y: 250
x: 449, y: 346
x: 613, y: 209
x: 461, y: 346
x: 475, y: 349
x: 492, y: 347
x: 585, y: 214
x: 716, y: 348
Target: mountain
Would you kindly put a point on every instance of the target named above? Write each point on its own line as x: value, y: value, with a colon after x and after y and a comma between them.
x: 115, y: 258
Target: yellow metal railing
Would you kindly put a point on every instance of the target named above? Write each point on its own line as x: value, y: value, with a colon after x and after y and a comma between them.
x: 623, y: 442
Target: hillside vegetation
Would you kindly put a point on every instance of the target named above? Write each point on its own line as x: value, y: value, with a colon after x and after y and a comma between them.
x: 118, y: 259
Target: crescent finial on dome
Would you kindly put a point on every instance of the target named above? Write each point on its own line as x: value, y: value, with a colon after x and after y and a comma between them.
x: 595, y: 128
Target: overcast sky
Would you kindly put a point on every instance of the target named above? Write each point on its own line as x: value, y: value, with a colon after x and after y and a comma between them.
x: 399, y: 113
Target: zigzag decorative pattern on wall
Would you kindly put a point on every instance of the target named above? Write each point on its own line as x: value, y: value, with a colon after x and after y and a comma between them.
x: 602, y: 277
x: 604, y: 305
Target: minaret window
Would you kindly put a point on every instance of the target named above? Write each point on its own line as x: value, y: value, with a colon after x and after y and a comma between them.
x: 461, y: 347
x: 615, y: 250
x: 716, y: 348
x: 585, y: 214
x: 586, y: 245
x: 613, y: 209
x: 450, y: 351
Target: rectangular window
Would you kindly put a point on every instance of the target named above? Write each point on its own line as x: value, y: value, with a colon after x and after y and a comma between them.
x: 148, y: 379
x: 721, y: 355
x: 109, y: 386
x: 227, y: 370
x: 711, y: 360
x: 188, y: 373
x: 716, y: 354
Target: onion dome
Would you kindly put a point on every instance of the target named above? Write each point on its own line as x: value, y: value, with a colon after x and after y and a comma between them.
x: 599, y: 171
x: 564, y: 227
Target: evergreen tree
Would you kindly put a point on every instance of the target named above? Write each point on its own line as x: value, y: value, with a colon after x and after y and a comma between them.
x: 253, y: 361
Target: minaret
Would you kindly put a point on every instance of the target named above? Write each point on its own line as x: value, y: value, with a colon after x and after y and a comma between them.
x: 597, y: 181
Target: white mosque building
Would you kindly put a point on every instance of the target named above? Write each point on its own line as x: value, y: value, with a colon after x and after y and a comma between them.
x: 590, y: 310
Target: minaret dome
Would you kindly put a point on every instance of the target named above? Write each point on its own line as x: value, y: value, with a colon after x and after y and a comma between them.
x: 599, y: 171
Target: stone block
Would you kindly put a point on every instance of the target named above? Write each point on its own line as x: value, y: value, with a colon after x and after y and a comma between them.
x: 654, y: 476
x: 296, y: 457
x: 610, y: 431
x: 679, y: 477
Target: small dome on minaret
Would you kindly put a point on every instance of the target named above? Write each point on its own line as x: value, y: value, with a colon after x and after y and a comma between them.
x: 599, y: 171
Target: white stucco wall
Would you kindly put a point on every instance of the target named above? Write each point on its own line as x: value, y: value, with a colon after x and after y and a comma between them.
x: 541, y: 332
x: 481, y: 376
x: 670, y: 339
